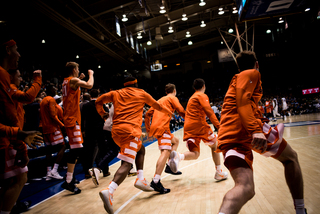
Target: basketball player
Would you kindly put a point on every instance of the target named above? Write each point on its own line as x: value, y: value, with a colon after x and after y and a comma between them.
x: 51, y: 128
x: 160, y: 128
x: 241, y: 131
x: 196, y: 129
x: 126, y: 131
x: 275, y: 108
x: 284, y: 108
x: 72, y: 118
x: 13, y: 140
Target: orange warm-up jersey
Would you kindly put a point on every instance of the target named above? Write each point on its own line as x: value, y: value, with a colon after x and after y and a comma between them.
x: 71, y: 104
x: 49, y: 115
x: 238, y: 121
x: 160, y: 120
x: 195, y: 124
x: 8, y: 114
x: 20, y: 98
x: 128, y: 109
x: 268, y: 107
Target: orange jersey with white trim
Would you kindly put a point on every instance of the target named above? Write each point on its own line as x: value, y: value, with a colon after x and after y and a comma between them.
x: 128, y: 109
x: 19, y: 98
x: 238, y: 121
x: 160, y: 120
x: 8, y: 114
x: 71, y: 104
x: 198, y: 108
x: 49, y: 115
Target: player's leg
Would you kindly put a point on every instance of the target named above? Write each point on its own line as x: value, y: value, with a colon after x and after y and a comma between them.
x: 243, y: 189
x: 54, y: 172
x: 155, y: 183
x: 293, y: 175
x: 12, y: 188
x: 216, y: 157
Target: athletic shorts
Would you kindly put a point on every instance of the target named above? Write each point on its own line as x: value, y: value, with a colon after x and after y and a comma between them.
x: 55, y: 138
x: 7, y: 167
x: 164, y: 141
x: 75, y: 137
x: 129, y: 146
x: 193, y: 143
x: 275, y: 146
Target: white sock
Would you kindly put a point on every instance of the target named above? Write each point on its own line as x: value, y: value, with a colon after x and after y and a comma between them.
x: 4, y: 212
x: 299, y: 206
x: 140, y: 174
x: 181, y: 156
x: 218, y: 168
x: 55, y: 167
x: 49, y: 168
x: 112, y: 187
x: 156, y: 178
x: 69, y: 177
x: 220, y: 213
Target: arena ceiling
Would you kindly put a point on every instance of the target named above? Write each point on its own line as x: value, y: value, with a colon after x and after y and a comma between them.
x: 87, y: 29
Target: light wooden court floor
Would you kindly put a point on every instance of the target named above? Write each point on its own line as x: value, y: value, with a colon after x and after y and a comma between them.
x: 196, y: 191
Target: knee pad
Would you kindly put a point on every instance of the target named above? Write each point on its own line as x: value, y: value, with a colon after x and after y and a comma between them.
x: 74, y: 154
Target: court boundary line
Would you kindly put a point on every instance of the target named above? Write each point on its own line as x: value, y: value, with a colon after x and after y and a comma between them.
x: 133, y: 197
x: 44, y: 200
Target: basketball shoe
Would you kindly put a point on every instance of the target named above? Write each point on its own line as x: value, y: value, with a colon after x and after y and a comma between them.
x: 159, y: 187
x: 94, y: 172
x: 143, y: 185
x: 174, y: 160
x: 169, y: 171
x: 54, y: 174
x: 107, y: 199
x: 220, y: 175
x: 71, y: 187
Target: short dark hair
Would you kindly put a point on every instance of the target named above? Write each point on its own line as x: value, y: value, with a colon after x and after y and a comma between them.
x: 86, y: 96
x: 70, y: 66
x: 49, y: 89
x: 170, y: 88
x: 246, y: 60
x: 94, y: 93
x: 198, y: 84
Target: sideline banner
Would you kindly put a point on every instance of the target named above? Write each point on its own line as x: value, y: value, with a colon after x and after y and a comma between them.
x: 310, y: 91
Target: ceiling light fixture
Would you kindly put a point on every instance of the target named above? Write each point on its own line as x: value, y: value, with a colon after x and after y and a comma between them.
x: 99, y: 66
x: 307, y: 9
x: 202, y: 3
x: 234, y: 10
x: 230, y: 30
x: 139, y: 36
x: 268, y: 31
x: 184, y: 17
x: 281, y: 20
x: 188, y: 34
x: 202, y: 24
x: 43, y: 41
x: 162, y: 9
x: 77, y: 56
x: 170, y: 29
x: 221, y: 11
x: 124, y: 19
x: 190, y: 42
x: 149, y: 43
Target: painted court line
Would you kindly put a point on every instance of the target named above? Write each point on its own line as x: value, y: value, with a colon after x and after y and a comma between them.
x: 133, y: 197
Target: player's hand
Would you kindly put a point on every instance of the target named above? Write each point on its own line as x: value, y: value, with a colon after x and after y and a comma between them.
x: 21, y: 159
x: 82, y: 76
x: 90, y: 72
x: 259, y: 142
x: 105, y: 116
x: 37, y: 73
x: 32, y: 138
